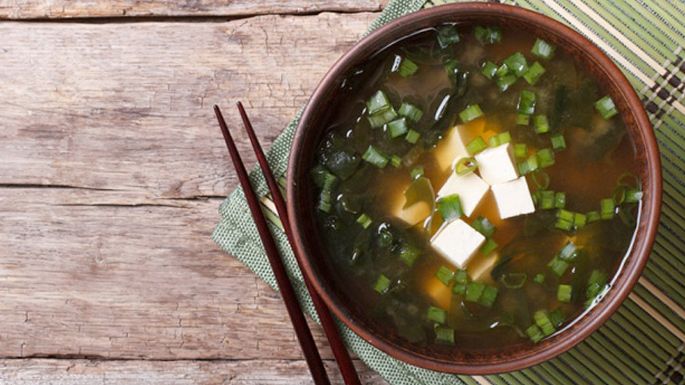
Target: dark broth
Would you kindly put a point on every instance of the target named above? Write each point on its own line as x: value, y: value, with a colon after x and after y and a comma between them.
x: 389, y: 267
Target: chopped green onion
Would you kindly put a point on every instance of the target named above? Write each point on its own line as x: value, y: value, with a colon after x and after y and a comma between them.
x: 396, y: 161
x: 488, y: 247
x: 543, y: 322
x: 502, y: 71
x: 465, y: 166
x: 461, y: 276
x: 450, y: 207
x: 444, y: 335
x: 606, y: 107
x: 459, y: 288
x: 499, y: 139
x: 412, y: 136
x: 595, y: 284
x: 541, y: 124
x: 447, y: 35
x: 488, y: 35
x: 633, y: 195
x: 607, y: 208
x: 513, y: 280
x: 517, y: 63
x: 471, y: 112
x: 529, y: 165
x: 398, y: 127
x: 546, y: 199
x: 559, y: 200
x: 408, y: 68
x: 534, y: 73
x: 375, y: 157
x: 473, y: 291
x: 379, y: 119
x: 520, y: 150
x: 558, y: 142
x: 489, y: 69
x: 542, y: 49
x: 409, y: 254
x: 526, y: 103
x: 579, y: 220
x: 364, y: 220
x: 379, y: 102
x: 619, y: 194
x: 558, y: 266
x: 488, y: 297
x: 382, y: 284
x: 475, y: 146
x: 483, y: 226
x: 540, y: 179
x: 556, y: 317
x: 327, y: 181
x: 569, y: 252
x: 535, y: 334
x: 505, y: 82
x: 444, y: 275
x: 562, y: 224
x: 593, y: 216
x: 416, y: 172
x: 522, y: 120
x: 410, y: 112
x: 436, y: 314
x: 452, y: 67
x: 539, y: 278
x: 545, y: 157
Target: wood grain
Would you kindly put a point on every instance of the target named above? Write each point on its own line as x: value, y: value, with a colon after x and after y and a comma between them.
x: 85, y: 372
x: 60, y: 9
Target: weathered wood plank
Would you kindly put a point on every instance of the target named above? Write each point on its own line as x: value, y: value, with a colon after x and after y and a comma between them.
x: 58, y: 9
x: 83, y: 372
x: 128, y: 106
x: 83, y: 274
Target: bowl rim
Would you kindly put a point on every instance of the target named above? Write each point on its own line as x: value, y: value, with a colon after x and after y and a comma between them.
x: 639, y: 255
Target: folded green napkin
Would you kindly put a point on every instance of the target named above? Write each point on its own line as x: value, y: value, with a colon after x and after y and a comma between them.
x: 643, y: 343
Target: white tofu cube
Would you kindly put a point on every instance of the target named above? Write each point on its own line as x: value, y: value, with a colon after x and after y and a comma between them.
x: 457, y: 241
x: 450, y: 149
x: 471, y: 189
x: 496, y: 164
x: 513, y: 198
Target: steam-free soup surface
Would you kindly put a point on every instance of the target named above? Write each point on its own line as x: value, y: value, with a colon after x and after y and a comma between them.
x: 390, y: 148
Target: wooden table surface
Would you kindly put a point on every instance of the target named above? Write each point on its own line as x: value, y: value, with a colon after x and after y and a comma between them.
x: 112, y: 170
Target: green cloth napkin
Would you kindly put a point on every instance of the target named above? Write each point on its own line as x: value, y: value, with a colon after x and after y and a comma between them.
x: 643, y: 343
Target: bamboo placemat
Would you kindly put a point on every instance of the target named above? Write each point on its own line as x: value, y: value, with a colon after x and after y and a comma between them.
x: 644, y: 342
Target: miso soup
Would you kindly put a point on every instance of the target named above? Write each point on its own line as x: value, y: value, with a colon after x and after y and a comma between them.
x: 475, y: 189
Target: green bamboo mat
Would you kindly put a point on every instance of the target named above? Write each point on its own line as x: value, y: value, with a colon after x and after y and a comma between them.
x: 644, y: 342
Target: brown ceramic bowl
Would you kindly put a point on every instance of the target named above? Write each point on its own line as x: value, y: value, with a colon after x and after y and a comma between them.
x: 311, y: 128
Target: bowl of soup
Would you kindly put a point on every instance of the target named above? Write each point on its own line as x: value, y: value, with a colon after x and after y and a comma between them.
x: 475, y: 188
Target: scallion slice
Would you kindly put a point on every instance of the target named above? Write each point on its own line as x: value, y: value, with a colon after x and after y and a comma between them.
x: 534, y: 73
x: 416, y: 172
x: 410, y: 112
x: 522, y: 119
x: 364, y: 220
x: 488, y: 35
x: 607, y: 208
x: 499, y: 139
x: 541, y: 124
x: 396, y: 161
x: 543, y: 322
x: 558, y: 266
x: 502, y: 71
x: 488, y: 247
x: 606, y: 107
x: 526, y: 103
x: 559, y: 200
x: 556, y: 317
x: 517, y: 64
x: 471, y: 112
x: 447, y: 35
x: 409, y: 254
x: 412, y: 136
x: 473, y: 291
x: 558, y: 142
x: 475, y: 146
x: 546, y: 201
x: 542, y: 49
x: 465, y: 166
x: 398, y: 127
x: 520, y: 150
x: 449, y: 207
x: 488, y: 69
x: 444, y: 335
x: 569, y: 252
x: 535, y: 334
x: 378, y: 102
x: 382, y: 284
x: 379, y: 119
x: 505, y: 82
x: 633, y: 195
x: 375, y: 157
x: 436, y: 314
x: 483, y: 226
x: 593, y: 216
x: 529, y: 165
x: 407, y: 68
x: 539, y: 278
x: 488, y: 297
x: 579, y: 220
x: 461, y: 276
x: 444, y: 275
x: 545, y: 157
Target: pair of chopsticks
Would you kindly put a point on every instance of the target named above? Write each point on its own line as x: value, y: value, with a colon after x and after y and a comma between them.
x: 297, y: 317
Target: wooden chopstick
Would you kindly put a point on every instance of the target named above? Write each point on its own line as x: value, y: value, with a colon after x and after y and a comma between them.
x: 341, y: 354
x: 297, y: 318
